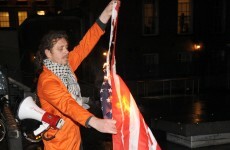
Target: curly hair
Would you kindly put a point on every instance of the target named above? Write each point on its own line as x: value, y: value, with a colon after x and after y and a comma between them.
x: 47, y: 42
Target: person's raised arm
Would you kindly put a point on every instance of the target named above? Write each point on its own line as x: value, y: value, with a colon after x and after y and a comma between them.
x: 107, y: 12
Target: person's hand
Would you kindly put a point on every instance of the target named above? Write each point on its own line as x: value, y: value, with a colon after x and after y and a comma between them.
x: 107, y: 12
x: 103, y: 125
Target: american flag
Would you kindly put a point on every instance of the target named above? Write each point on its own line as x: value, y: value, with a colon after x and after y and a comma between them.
x: 105, y: 97
x: 117, y: 101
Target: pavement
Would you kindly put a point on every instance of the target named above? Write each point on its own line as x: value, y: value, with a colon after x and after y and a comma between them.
x: 209, y: 107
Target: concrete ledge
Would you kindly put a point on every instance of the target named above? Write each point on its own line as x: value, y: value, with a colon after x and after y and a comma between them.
x: 192, y: 129
x: 195, y: 135
x: 199, y: 140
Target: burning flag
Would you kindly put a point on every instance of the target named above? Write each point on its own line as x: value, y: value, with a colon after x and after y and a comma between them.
x: 118, y: 103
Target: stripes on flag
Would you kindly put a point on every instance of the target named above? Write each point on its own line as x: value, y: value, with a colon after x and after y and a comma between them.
x: 133, y: 132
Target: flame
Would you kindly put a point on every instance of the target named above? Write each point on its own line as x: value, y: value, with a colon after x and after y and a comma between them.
x: 124, y: 104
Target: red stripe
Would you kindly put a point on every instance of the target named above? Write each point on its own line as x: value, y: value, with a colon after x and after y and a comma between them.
x: 143, y: 137
x: 125, y: 99
x: 117, y: 115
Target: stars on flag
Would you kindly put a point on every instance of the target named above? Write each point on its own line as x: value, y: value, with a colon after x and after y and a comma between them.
x: 105, y: 98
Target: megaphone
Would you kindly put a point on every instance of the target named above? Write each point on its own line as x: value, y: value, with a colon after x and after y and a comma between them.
x: 29, y: 110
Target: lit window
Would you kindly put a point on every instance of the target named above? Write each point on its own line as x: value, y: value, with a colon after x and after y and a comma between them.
x: 184, y: 16
x: 22, y: 15
x: 150, y: 17
x: 41, y: 12
x: 4, y: 19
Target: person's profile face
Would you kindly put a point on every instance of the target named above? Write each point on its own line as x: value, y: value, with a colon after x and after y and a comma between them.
x: 59, y: 52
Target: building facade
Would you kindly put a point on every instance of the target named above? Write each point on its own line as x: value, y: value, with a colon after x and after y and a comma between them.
x: 175, y: 38
x: 155, y: 39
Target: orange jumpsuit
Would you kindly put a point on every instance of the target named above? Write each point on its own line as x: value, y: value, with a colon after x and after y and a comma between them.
x: 55, y: 98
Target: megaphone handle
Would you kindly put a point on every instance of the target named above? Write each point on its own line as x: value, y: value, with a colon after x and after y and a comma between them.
x: 44, y: 126
x: 48, y: 138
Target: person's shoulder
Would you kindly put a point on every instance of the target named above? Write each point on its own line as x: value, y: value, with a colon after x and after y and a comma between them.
x: 46, y: 75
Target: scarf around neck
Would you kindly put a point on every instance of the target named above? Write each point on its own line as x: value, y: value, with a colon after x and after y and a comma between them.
x: 67, y: 77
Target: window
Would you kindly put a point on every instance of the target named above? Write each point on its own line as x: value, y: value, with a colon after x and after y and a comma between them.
x: 151, y: 62
x: 151, y: 59
x: 41, y: 12
x: 184, y: 17
x: 150, y: 17
x: 22, y: 15
x: 4, y: 19
x: 41, y: 2
x: 217, y: 20
x: 184, y: 57
x: 22, y: 2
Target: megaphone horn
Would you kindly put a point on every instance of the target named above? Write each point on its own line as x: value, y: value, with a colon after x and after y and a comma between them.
x: 29, y: 110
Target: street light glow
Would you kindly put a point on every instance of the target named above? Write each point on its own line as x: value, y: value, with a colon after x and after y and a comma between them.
x: 105, y: 53
x: 197, y: 47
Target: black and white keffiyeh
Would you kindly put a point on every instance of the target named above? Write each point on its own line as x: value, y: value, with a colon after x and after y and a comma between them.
x: 67, y: 77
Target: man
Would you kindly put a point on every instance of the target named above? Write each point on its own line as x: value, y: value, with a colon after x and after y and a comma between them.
x: 58, y: 89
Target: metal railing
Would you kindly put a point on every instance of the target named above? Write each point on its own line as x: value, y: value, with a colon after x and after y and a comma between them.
x: 168, y: 87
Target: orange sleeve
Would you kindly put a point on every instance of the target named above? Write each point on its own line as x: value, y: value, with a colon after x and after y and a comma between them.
x: 59, y: 98
x: 77, y: 55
